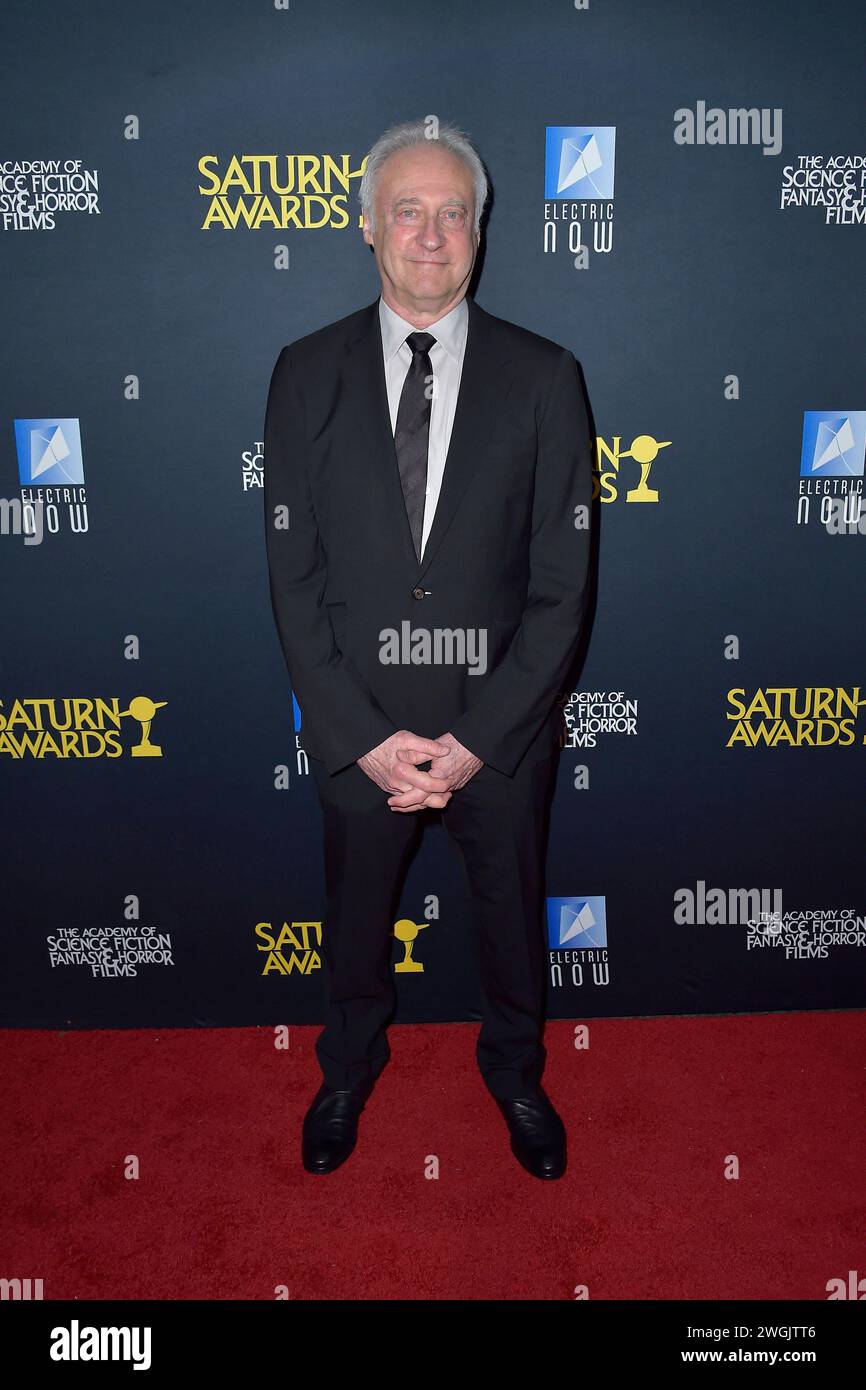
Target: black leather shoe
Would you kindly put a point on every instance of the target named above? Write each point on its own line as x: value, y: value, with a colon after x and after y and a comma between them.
x: 331, y: 1128
x: 537, y: 1134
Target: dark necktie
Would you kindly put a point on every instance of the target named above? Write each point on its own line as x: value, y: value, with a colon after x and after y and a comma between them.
x: 412, y: 431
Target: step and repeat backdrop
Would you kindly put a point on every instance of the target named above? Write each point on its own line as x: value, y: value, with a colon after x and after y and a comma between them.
x: 679, y: 197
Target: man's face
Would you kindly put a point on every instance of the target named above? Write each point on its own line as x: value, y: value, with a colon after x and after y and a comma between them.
x: 425, y: 243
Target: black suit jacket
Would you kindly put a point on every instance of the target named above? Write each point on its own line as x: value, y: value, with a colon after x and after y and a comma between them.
x: 504, y: 553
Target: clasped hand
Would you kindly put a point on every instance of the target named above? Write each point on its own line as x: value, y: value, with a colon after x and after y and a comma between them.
x: 393, y: 767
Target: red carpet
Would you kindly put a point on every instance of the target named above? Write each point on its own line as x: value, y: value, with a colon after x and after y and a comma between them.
x: 223, y: 1209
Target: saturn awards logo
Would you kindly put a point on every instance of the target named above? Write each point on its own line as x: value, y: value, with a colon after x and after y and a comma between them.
x: 301, y: 191
x: 77, y: 728
x: 293, y: 948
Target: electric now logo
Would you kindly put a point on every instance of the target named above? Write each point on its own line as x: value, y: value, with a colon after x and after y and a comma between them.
x: 77, y: 1343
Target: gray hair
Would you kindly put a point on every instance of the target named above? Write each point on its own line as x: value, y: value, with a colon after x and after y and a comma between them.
x: 409, y: 133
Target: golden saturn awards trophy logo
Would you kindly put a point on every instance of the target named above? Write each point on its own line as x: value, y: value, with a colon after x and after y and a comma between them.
x: 143, y: 709
x: 407, y: 932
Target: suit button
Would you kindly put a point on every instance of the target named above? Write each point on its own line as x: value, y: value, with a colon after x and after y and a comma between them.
x: 418, y: 593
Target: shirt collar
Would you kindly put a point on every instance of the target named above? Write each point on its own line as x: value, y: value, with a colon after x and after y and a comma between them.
x: 450, y: 330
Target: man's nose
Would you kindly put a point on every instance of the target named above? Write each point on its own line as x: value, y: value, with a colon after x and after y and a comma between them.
x: 430, y: 233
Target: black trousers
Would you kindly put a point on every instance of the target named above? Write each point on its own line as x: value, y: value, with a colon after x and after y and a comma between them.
x: 500, y: 826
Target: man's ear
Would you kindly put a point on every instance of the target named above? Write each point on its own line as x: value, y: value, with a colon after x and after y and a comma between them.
x: 366, y: 233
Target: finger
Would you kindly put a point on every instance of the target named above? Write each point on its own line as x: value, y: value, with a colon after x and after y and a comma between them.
x: 409, y: 755
x: 406, y: 794
x: 429, y: 747
x: 417, y: 796
x: 405, y: 803
x: 436, y: 801
x: 412, y: 779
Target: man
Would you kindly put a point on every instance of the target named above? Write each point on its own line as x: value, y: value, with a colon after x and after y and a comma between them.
x: 427, y: 503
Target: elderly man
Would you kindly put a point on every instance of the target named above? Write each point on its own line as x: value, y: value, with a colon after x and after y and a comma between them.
x: 427, y: 505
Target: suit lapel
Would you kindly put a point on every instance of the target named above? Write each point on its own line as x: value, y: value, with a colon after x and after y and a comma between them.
x: 364, y: 380
x: 482, y: 389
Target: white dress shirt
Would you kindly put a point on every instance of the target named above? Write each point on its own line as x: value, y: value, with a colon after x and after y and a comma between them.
x: 446, y: 360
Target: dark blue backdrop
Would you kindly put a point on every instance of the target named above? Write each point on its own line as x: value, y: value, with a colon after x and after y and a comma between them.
x: 715, y: 320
